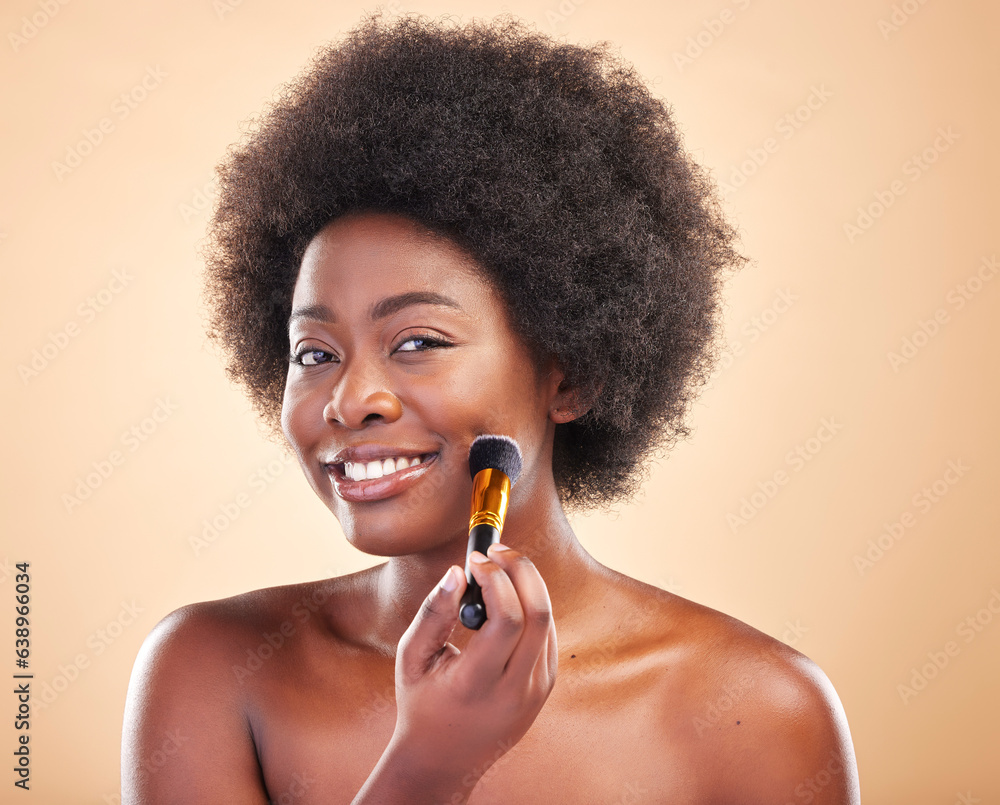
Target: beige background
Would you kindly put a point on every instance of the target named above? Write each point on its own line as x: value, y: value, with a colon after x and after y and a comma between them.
x: 135, y: 204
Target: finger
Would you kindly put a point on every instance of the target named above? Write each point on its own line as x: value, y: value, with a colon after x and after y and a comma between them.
x: 547, y: 671
x: 489, y: 649
x: 538, y: 633
x: 427, y: 635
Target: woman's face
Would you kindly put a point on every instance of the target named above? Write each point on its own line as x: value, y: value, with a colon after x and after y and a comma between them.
x: 401, y: 355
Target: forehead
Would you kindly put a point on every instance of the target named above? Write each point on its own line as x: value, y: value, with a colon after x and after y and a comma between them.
x: 370, y: 251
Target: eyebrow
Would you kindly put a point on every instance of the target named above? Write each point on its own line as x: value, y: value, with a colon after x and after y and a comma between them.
x: 381, y: 309
x: 393, y: 304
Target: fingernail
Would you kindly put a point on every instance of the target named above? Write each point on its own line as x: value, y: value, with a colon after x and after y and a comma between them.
x: 498, y: 546
x: 449, y: 582
x: 478, y: 557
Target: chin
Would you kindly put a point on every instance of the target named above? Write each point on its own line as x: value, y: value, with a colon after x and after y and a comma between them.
x: 395, y: 533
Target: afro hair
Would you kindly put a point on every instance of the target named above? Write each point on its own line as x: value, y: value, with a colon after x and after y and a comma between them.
x: 550, y: 163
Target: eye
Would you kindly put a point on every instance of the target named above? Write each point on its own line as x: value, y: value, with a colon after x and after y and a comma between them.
x: 421, y: 343
x: 311, y: 357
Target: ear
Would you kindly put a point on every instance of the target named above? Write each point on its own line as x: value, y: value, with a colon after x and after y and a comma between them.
x: 566, y: 402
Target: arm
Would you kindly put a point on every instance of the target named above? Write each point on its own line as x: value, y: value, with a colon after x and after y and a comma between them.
x: 794, y: 745
x: 825, y: 768
x: 185, y: 738
x: 455, y: 710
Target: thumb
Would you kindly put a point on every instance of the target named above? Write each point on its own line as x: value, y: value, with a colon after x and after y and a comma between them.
x: 427, y: 636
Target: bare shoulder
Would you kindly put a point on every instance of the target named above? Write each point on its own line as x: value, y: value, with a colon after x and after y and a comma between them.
x: 209, y: 636
x: 187, y: 731
x: 762, y: 716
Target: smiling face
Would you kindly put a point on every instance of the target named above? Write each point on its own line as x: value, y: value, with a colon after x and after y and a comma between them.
x: 401, y: 354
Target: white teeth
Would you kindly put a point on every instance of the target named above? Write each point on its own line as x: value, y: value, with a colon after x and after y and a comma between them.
x: 357, y: 471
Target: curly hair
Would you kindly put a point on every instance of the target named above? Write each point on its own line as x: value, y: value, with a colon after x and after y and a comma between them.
x: 550, y: 163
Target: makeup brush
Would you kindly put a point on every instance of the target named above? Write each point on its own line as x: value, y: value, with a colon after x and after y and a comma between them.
x: 495, y: 464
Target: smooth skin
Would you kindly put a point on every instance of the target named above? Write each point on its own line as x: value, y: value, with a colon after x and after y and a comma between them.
x: 363, y: 688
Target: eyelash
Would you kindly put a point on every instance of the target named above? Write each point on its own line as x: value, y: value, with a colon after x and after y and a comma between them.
x: 431, y: 342
x: 296, y: 357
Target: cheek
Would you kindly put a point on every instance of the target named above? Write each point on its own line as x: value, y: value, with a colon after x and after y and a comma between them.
x: 464, y: 407
x: 301, y: 418
x: 519, y: 400
x: 302, y: 424
x: 505, y: 402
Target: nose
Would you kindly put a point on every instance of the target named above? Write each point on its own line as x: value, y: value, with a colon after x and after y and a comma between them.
x: 361, y: 397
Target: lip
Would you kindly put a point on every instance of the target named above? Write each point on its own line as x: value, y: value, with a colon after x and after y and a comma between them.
x: 374, y: 489
x: 363, y: 453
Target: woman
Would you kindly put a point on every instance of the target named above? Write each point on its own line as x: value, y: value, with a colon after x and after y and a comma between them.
x: 440, y: 232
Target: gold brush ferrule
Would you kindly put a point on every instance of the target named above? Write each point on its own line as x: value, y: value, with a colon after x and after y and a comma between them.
x: 490, y: 493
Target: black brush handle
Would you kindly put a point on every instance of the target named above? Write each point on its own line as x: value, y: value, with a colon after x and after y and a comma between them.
x: 473, y: 611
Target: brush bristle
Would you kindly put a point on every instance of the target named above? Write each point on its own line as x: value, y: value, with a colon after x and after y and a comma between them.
x: 495, y: 452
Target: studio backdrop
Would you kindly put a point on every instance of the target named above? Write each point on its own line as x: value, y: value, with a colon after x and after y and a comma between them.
x: 838, y: 491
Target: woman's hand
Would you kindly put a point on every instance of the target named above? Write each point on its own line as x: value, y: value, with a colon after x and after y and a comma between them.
x: 458, y: 711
